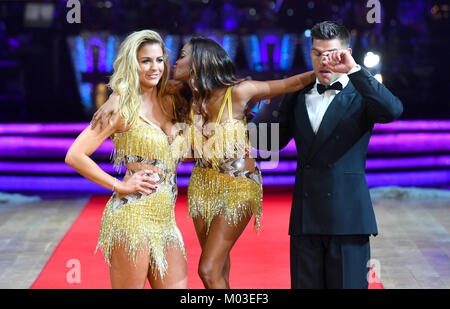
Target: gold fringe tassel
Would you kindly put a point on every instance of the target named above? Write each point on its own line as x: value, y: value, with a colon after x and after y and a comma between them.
x: 147, y: 142
x: 145, y: 224
x: 211, y: 193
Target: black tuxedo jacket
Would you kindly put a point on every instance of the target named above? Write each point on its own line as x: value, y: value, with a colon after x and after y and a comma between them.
x: 331, y: 196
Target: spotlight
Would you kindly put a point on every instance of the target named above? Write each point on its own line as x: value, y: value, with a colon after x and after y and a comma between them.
x: 371, y: 60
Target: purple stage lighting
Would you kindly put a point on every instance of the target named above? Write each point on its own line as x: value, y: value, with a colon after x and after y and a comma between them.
x: 372, y: 164
x: 428, y: 141
x: 400, y: 143
x: 264, y: 51
x: 80, y: 184
x: 42, y: 129
x: 76, y: 128
x: 44, y: 147
x: 413, y: 125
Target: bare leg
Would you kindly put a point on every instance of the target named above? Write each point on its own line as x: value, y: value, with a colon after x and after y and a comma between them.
x: 200, y: 228
x: 126, y: 274
x: 176, y: 275
x: 226, y: 270
x: 213, y: 268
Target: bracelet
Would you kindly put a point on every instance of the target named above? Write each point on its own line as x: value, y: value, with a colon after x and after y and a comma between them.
x: 114, y: 185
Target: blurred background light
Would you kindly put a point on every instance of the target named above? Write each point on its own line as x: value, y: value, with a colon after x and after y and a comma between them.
x: 371, y: 60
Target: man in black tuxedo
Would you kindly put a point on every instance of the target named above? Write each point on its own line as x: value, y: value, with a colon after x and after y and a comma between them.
x: 331, y: 121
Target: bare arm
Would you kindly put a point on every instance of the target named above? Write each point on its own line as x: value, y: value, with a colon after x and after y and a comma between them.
x: 254, y: 91
x: 87, y: 143
x: 107, y: 112
x: 110, y: 109
x: 382, y: 105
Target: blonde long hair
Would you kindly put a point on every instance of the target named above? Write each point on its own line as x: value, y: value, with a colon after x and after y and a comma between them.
x: 125, y: 79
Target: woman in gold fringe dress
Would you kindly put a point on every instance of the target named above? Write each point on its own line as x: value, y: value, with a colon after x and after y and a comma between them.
x: 225, y: 189
x: 138, y: 233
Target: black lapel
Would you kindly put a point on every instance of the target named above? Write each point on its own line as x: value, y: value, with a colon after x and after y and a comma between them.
x: 302, y: 120
x: 333, y: 115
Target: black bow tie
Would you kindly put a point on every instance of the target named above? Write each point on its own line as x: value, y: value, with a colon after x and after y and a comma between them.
x: 322, y: 88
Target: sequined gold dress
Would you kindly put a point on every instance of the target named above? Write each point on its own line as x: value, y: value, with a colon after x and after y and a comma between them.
x: 222, y: 182
x: 139, y: 221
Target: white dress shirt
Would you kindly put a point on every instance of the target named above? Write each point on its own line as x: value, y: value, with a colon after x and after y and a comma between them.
x: 317, y: 104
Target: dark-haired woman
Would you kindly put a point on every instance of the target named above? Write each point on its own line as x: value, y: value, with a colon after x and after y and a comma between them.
x: 225, y: 188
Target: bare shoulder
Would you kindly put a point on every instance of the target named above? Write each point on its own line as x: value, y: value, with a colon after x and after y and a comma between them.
x: 119, y: 124
x: 246, y: 89
x: 242, y: 88
x: 242, y: 92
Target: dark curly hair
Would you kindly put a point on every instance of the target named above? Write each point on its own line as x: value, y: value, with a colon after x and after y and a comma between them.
x: 182, y: 96
x: 211, y: 68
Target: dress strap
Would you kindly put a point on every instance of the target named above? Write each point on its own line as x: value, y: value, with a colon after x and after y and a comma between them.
x: 230, y: 104
x: 192, y: 114
x: 226, y: 99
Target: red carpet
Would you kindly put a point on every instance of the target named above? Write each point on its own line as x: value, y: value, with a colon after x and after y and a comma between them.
x: 258, y: 261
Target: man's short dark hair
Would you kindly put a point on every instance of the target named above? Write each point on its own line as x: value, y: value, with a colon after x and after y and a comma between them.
x: 330, y: 30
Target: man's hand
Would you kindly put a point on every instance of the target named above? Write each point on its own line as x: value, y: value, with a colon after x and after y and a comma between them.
x: 340, y: 61
x: 107, y: 111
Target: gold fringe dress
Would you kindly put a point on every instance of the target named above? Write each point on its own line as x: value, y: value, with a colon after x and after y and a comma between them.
x: 220, y: 184
x: 139, y: 221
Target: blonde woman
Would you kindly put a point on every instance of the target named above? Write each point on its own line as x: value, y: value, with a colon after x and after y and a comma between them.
x: 138, y: 233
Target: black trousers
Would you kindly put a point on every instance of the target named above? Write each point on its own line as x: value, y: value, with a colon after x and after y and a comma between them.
x: 329, y: 261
